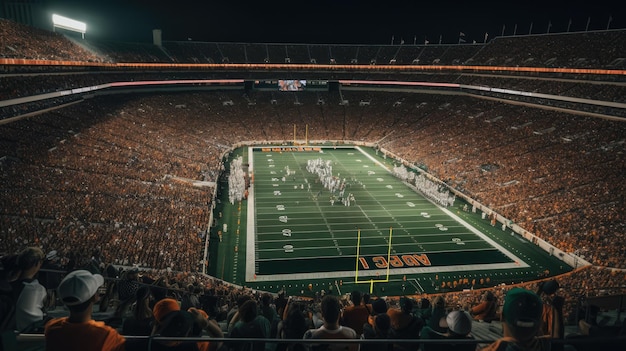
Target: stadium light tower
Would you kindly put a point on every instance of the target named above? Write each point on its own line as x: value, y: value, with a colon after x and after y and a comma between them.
x: 69, y: 24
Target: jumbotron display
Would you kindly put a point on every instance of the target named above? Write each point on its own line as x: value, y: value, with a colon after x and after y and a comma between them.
x: 291, y: 84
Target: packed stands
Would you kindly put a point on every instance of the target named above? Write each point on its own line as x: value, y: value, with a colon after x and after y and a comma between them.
x: 111, y: 179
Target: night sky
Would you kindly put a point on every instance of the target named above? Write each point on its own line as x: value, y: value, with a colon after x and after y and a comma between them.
x: 332, y: 21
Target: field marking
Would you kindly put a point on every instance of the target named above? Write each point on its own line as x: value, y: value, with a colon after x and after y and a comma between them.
x: 250, y: 275
x: 518, y: 261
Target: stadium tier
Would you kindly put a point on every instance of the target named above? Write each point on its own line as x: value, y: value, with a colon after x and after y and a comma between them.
x: 415, y: 170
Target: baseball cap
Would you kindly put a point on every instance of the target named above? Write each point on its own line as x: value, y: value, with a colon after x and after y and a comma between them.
x: 522, y: 308
x: 79, y: 286
x: 458, y: 322
x: 163, y: 308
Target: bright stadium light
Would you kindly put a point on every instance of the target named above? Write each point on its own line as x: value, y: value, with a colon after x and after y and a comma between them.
x: 69, y: 24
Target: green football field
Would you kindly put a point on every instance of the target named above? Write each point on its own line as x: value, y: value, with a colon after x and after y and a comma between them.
x: 293, y: 233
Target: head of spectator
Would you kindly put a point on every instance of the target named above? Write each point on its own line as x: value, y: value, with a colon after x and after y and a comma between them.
x: 9, y: 270
x: 79, y: 292
x: 549, y: 287
x: 163, y: 307
x: 406, y: 305
x: 266, y: 299
x: 379, y: 306
x: 355, y: 297
x: 248, y: 311
x: 424, y: 303
x: 458, y: 323
x: 331, y: 329
x: 29, y: 262
x: 439, y: 302
x: 522, y: 313
x: 331, y: 310
x: 366, y: 299
x: 170, y: 321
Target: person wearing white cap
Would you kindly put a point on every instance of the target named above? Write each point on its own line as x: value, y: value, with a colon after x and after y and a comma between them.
x: 458, y: 325
x: 79, y: 291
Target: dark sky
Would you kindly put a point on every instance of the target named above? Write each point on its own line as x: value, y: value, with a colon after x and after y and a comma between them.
x: 332, y: 21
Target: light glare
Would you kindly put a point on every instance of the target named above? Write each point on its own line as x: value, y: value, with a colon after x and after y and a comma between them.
x: 69, y: 24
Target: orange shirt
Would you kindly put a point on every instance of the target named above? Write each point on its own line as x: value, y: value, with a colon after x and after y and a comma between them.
x: 89, y: 336
x: 354, y: 317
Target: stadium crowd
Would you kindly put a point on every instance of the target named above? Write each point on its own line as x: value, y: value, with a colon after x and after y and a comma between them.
x: 126, y: 172
x: 112, y: 180
x: 140, y: 301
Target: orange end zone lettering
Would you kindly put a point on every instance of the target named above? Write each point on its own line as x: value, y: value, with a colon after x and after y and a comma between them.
x: 395, y: 261
x: 380, y: 262
x: 423, y: 259
x: 364, y: 263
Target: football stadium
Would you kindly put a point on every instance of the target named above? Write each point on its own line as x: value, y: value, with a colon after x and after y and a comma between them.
x: 225, y: 194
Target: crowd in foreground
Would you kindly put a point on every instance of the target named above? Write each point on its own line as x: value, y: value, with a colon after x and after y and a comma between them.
x: 145, y: 305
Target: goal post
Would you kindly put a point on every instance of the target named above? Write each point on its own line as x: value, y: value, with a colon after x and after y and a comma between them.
x: 358, y: 257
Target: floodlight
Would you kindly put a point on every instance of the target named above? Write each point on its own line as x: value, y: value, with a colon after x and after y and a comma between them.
x: 69, y: 24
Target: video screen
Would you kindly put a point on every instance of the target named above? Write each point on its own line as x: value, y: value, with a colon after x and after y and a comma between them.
x: 291, y: 85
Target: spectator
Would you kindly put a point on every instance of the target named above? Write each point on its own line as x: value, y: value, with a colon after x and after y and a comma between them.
x: 170, y: 321
x: 50, y: 276
x: 250, y: 325
x: 438, y: 312
x: 269, y: 312
x: 522, y: 323
x: 331, y: 329
x: 190, y: 298
x: 486, y: 310
x: 9, y: 272
x: 405, y: 325
x: 380, y: 330
x: 552, y: 316
x: 294, y: 325
x: 424, y: 310
x: 142, y: 320
x: 127, y: 291
x: 28, y: 293
x: 355, y: 315
x: 79, y: 291
x: 458, y: 325
x: 378, y: 306
x: 233, y: 315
